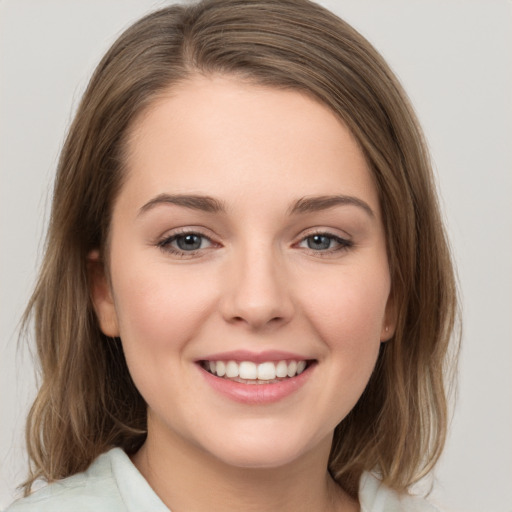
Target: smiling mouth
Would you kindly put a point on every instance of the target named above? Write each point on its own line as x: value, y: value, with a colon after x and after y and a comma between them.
x: 248, y: 372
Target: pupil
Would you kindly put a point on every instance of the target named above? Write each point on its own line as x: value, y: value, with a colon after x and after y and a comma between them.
x: 319, y: 242
x: 189, y: 242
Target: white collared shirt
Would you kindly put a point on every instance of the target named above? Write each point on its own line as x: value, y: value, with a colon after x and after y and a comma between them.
x: 113, y: 484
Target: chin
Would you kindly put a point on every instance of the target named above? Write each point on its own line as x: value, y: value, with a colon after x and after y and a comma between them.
x: 259, y: 459
x: 262, y: 450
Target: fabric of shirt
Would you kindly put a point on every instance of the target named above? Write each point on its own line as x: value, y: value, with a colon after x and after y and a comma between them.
x: 113, y: 484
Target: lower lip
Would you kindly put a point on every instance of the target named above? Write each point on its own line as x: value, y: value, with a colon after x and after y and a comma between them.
x: 257, y: 393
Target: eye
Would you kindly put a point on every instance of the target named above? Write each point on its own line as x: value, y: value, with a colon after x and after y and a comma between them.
x: 324, y: 242
x: 319, y: 242
x: 185, y: 243
x: 190, y: 242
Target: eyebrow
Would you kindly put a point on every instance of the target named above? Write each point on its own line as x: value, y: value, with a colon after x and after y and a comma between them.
x: 211, y: 205
x: 319, y: 203
x: 195, y: 202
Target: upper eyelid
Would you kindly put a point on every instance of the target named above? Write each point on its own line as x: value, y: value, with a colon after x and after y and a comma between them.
x: 187, y: 230
x: 335, y: 233
x: 343, y: 241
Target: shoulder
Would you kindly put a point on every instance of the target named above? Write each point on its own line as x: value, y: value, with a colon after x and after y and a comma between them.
x: 93, y: 489
x: 107, y: 485
x: 374, y: 496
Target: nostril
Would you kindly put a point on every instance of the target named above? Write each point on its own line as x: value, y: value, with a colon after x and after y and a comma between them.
x: 256, y: 319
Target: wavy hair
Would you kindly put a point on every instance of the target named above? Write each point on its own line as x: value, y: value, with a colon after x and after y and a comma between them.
x: 87, y: 401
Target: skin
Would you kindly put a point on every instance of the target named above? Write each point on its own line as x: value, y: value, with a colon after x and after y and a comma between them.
x: 255, y: 284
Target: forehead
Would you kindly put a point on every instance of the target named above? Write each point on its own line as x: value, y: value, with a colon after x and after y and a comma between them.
x: 218, y: 135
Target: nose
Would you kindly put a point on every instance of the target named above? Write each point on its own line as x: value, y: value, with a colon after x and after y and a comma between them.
x: 257, y: 293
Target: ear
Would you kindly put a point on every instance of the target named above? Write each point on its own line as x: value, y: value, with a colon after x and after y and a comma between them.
x: 390, y: 319
x: 101, y: 295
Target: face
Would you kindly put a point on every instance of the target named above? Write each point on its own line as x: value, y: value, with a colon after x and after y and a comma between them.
x: 249, y: 281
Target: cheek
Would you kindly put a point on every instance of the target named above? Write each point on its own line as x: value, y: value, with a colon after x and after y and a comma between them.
x: 158, y: 308
x: 348, y: 312
x: 348, y: 319
x: 159, y: 311
x: 350, y: 307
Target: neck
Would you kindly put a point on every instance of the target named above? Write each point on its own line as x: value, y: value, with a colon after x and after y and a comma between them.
x: 187, y: 479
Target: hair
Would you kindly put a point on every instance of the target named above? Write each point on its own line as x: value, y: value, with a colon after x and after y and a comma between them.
x: 87, y: 401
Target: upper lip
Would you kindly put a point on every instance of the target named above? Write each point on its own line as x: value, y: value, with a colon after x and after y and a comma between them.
x: 255, y: 357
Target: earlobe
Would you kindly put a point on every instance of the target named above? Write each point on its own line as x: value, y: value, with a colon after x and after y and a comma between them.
x: 101, y: 295
x: 386, y: 334
x: 390, y: 320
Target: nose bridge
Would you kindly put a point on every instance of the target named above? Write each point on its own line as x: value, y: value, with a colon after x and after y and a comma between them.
x: 258, y: 292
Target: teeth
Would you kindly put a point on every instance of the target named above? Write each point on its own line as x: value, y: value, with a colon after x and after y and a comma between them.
x: 282, y: 369
x: 266, y: 371
x: 292, y: 368
x: 247, y: 370
x: 220, y: 369
x: 231, y: 369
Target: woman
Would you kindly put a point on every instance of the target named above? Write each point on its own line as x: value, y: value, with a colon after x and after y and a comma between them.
x: 247, y: 296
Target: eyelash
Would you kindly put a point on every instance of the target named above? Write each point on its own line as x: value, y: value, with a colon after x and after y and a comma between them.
x: 342, y: 243
x: 165, y: 244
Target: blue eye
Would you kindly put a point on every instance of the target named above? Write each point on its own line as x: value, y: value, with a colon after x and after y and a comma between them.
x: 319, y: 242
x: 324, y: 242
x: 183, y: 243
x: 190, y: 242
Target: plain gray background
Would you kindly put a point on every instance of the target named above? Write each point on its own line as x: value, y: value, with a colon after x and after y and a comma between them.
x: 453, y: 57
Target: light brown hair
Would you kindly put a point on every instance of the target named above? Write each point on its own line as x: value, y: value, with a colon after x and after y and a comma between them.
x: 87, y: 401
